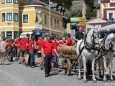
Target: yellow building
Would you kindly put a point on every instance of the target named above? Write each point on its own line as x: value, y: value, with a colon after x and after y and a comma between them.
x: 16, y: 17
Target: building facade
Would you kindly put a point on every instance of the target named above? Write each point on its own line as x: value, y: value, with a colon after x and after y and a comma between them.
x: 17, y: 16
x: 107, y: 8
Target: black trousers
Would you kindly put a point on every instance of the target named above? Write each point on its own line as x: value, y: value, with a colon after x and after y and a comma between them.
x: 47, y: 64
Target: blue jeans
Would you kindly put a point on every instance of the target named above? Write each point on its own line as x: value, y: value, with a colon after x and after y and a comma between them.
x: 32, y: 58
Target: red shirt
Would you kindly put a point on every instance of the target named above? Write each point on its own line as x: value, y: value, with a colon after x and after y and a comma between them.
x: 40, y: 44
x: 47, y: 47
x: 69, y: 42
x: 17, y: 43
x: 62, y: 42
x: 23, y: 45
x: 26, y: 43
x: 20, y: 46
x: 10, y: 45
x: 31, y: 43
x: 55, y: 45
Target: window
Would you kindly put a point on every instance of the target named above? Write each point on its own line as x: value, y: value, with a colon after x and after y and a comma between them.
x: 9, y: 16
x: 3, y: 1
x: 25, y: 18
x: 3, y: 17
x: 112, y: 0
x: 45, y: 19
x: 3, y: 34
x: 8, y: 1
x: 9, y: 34
x: 110, y: 16
x: 55, y: 23
x: 16, y: 34
x: 15, y: 1
x: 15, y: 17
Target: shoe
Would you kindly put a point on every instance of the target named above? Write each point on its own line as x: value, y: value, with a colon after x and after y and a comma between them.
x: 27, y: 65
x: 32, y: 66
x: 1, y: 64
x: 41, y: 68
x: 46, y: 75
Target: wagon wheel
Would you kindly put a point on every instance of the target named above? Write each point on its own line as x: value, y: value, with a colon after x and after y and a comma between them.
x: 69, y: 67
x: 66, y: 64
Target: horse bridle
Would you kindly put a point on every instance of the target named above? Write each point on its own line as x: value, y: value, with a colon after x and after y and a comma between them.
x: 91, y: 46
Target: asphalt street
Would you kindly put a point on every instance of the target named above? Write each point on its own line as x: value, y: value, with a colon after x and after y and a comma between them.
x: 14, y: 74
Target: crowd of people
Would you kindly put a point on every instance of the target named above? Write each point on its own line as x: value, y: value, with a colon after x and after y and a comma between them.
x: 46, y: 49
x: 26, y: 49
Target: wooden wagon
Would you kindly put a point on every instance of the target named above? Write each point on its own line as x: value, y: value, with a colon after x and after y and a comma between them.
x: 69, y: 56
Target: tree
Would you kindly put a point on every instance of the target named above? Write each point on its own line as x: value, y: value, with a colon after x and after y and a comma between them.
x: 65, y: 3
x: 76, y: 9
x: 90, y: 9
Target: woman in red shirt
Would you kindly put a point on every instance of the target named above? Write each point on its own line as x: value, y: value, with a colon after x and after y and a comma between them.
x: 69, y: 40
x: 39, y: 44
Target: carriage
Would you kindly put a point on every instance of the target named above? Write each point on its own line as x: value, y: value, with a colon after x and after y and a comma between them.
x: 69, y: 58
x: 91, y: 47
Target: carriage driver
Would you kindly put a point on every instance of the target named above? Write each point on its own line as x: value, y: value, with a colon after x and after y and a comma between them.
x: 79, y: 34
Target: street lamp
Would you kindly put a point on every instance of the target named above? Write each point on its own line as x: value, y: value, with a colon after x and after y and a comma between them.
x: 50, y: 17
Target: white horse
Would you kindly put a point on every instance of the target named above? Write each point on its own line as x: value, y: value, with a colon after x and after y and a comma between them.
x: 87, y: 50
x: 108, y: 49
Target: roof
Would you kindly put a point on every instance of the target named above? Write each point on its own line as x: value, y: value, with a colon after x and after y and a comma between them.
x: 97, y: 21
x: 22, y: 35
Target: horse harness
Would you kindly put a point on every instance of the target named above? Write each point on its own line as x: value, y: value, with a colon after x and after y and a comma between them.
x: 87, y: 45
x: 103, y: 51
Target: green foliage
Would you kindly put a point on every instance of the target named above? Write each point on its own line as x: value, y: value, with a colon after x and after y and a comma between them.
x: 90, y: 9
x: 66, y: 3
x: 64, y: 35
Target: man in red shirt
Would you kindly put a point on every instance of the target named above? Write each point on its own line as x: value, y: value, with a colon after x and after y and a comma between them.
x: 54, y: 54
x: 17, y: 44
x: 39, y: 44
x: 46, y: 49
x: 69, y: 40
x: 31, y: 53
x: 22, y: 50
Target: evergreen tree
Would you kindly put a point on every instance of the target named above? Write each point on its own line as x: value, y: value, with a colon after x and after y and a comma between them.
x: 65, y: 3
x: 90, y: 9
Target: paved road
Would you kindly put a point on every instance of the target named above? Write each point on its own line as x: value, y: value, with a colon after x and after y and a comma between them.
x: 15, y: 74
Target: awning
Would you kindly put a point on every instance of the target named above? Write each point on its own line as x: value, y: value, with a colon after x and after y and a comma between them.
x: 107, y: 28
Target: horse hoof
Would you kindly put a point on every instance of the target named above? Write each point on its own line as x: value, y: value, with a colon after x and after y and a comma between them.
x: 104, y: 81
x: 112, y: 80
x: 79, y: 78
x: 94, y: 81
x: 85, y: 81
